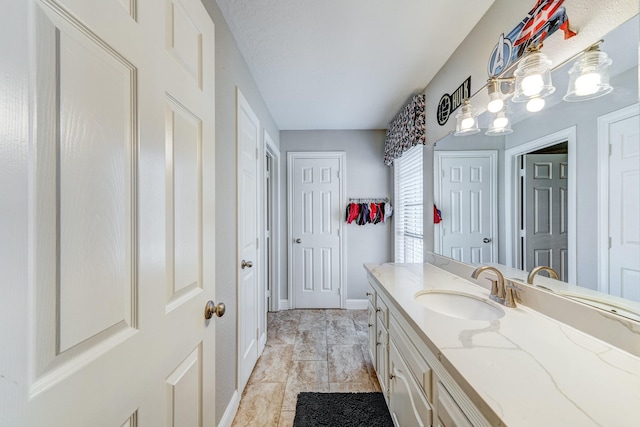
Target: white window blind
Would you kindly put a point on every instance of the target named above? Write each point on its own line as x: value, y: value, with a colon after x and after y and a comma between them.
x: 408, y: 206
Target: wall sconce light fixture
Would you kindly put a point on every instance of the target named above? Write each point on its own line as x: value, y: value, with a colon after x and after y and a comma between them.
x: 589, y: 76
x: 467, y: 119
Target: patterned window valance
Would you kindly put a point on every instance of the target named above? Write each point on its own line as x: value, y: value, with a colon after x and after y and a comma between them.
x: 406, y: 130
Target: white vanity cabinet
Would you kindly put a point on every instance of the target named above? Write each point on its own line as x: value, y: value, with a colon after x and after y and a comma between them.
x: 412, y: 379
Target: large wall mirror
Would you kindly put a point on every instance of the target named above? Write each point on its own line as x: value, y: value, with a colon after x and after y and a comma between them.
x: 562, y: 190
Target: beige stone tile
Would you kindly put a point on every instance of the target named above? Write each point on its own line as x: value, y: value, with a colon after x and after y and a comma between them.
x: 286, y: 418
x: 360, y: 318
x: 338, y: 314
x: 260, y: 405
x: 373, y: 378
x: 273, y: 365
x: 363, y: 337
x: 310, y: 344
x: 282, y: 332
x: 312, y: 319
x: 305, y: 376
x: 352, y: 387
x: 347, y: 364
x: 341, y: 332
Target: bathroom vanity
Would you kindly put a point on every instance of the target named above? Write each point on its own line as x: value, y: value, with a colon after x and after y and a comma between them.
x: 447, y: 355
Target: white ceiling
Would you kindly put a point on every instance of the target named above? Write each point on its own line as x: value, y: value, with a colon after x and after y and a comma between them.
x: 346, y: 64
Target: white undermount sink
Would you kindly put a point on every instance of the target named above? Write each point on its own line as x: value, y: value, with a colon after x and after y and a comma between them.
x: 459, y: 305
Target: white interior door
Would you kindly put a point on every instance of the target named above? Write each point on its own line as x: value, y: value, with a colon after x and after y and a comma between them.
x: 624, y: 208
x: 545, y: 221
x: 118, y: 218
x: 315, y: 187
x: 466, y: 195
x: 248, y: 277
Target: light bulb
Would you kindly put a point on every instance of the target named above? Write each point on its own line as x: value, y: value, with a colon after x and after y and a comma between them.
x: 495, y: 104
x: 587, y: 84
x: 532, y: 85
x: 535, y: 104
x: 467, y: 123
x: 500, y: 122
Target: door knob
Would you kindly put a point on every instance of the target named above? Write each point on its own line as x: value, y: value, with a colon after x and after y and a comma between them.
x: 246, y: 264
x: 211, y: 308
x: 298, y: 240
x: 486, y: 240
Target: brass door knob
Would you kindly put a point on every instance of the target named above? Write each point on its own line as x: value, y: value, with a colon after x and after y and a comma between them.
x: 211, y: 308
x: 246, y: 264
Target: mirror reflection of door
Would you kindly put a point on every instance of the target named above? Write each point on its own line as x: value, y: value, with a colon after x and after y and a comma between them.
x: 544, y: 217
x: 465, y: 193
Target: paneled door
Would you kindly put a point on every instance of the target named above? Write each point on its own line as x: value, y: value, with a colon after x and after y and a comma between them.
x: 545, y: 220
x: 316, y: 212
x: 117, y: 223
x: 465, y: 193
x: 624, y: 206
x: 248, y: 278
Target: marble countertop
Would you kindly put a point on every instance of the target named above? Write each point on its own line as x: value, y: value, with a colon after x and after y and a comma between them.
x: 529, y: 369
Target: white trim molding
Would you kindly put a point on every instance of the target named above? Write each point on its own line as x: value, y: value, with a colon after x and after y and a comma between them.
x: 341, y: 156
x: 604, y: 123
x: 357, y: 304
x: 272, y: 151
x: 283, y: 304
x: 512, y: 193
x: 231, y: 410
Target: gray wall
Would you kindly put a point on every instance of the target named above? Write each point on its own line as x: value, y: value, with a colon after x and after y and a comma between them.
x: 231, y: 71
x: 367, y: 176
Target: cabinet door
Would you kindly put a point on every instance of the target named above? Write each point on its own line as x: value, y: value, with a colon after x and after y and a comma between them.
x: 409, y: 407
x: 382, y: 357
x: 372, y: 334
x: 449, y: 413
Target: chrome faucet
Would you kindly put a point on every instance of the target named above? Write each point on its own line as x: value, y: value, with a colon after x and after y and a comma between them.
x: 504, y: 294
x: 551, y: 271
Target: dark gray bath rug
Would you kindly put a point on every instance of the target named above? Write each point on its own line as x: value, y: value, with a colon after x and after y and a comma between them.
x: 342, y: 410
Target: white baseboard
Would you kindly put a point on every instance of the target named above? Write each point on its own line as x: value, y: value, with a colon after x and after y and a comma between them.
x: 357, y: 304
x: 284, y: 304
x: 230, y: 412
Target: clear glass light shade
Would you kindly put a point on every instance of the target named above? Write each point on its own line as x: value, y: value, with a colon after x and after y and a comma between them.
x: 500, y: 125
x: 533, y: 78
x: 467, y: 120
x: 589, y: 77
x: 535, y: 104
x: 496, y: 103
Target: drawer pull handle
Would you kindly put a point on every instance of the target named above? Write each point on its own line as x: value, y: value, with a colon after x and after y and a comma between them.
x: 378, y: 310
x: 370, y: 325
x: 369, y: 294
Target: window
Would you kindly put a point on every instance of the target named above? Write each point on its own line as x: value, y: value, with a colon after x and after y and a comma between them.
x: 409, y: 206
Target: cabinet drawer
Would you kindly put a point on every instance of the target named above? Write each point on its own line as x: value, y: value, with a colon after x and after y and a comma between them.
x: 383, y: 312
x: 419, y: 368
x: 449, y: 413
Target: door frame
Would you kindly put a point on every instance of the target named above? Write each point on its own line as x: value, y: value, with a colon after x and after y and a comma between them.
x: 243, y: 105
x: 341, y: 156
x: 512, y: 196
x: 604, y: 123
x: 438, y: 157
x: 273, y: 152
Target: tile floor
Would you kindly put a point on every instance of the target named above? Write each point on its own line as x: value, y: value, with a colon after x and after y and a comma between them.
x: 306, y: 350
